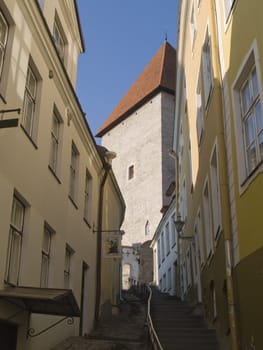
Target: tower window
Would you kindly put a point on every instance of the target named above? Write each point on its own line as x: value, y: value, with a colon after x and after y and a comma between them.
x: 131, y: 172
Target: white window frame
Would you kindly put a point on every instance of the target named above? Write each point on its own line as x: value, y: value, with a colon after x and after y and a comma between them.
x: 68, y: 266
x: 252, y: 59
x: 46, y: 256
x: 207, y: 68
x: 59, y: 39
x: 162, y: 247
x: 3, y: 41
x: 167, y: 237
x: 207, y: 219
x: 200, y: 237
x: 55, y: 147
x: 30, y: 101
x: 16, y: 234
x: 215, y: 191
x: 193, y: 27
x: 228, y: 7
x: 88, y: 197
x: 74, y: 170
x: 173, y: 231
x: 200, y: 111
x: 159, y: 252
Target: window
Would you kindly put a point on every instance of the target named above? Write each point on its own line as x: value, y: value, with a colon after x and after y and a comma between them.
x: 207, y: 68
x: 188, y: 268
x: 131, y: 172
x: 73, y: 172
x: 29, y: 102
x: 252, y: 120
x: 207, y: 220
x: 159, y: 252
x: 147, y: 228
x: 164, y: 282
x: 173, y: 231
x: 15, y: 241
x: 215, y: 191
x: 200, y: 239
x: 67, y: 266
x: 46, y: 249
x: 55, y: 139
x: 183, y: 200
x: 228, y: 7
x: 87, y: 197
x: 200, y: 115
x: 169, y: 279
x: 248, y: 118
x: 192, y: 26
x: 3, y: 40
x: 167, y: 236
x: 162, y: 247
x: 59, y: 39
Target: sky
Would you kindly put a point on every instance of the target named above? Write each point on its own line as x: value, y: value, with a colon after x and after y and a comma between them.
x: 120, y: 38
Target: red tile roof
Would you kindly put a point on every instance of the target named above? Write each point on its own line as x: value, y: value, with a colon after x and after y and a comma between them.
x: 158, y: 75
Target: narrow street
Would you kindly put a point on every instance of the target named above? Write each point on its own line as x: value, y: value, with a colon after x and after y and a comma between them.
x: 124, y: 331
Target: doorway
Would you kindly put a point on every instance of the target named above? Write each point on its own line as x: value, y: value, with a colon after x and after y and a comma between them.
x: 8, y: 336
x: 83, y: 324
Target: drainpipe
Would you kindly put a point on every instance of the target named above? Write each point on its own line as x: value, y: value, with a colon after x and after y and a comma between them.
x: 227, y: 233
x: 106, y: 168
x: 174, y: 155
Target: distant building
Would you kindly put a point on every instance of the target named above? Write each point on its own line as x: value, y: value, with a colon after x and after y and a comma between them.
x: 59, y: 196
x: 140, y: 130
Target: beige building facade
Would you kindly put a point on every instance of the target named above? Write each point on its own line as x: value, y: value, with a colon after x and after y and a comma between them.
x: 55, y: 197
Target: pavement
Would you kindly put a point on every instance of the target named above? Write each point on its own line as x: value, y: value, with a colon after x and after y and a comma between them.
x: 125, y: 330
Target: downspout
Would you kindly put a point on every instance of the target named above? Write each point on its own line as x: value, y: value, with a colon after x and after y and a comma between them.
x: 227, y: 234
x: 106, y: 168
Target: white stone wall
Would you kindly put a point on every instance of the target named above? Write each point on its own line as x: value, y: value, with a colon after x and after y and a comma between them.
x: 138, y: 141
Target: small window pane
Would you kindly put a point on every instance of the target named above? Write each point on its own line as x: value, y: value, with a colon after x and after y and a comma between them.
x: 249, y: 130
x: 255, y: 83
x: 259, y: 116
x: 245, y: 93
x: 251, y: 155
x: 260, y: 141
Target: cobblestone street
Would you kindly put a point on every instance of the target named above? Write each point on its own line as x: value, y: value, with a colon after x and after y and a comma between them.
x: 127, y: 330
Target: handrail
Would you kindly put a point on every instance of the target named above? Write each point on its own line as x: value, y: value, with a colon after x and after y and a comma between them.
x: 153, y: 335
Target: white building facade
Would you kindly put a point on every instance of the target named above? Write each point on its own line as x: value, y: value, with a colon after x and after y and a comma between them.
x: 50, y: 180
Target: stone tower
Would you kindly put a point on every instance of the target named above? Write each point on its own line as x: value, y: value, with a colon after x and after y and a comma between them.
x: 140, y: 131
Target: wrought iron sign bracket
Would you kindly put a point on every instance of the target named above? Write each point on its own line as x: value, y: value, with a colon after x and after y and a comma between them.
x: 31, y: 332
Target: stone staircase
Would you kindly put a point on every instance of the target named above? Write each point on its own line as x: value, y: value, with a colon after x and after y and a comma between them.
x: 178, y: 326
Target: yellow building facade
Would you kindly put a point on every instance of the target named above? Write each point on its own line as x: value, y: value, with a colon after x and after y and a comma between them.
x: 218, y: 145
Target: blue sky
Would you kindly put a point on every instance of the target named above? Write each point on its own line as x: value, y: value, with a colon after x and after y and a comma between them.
x: 120, y: 39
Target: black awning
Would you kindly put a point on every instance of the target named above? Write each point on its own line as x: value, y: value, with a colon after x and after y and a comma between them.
x: 49, y: 301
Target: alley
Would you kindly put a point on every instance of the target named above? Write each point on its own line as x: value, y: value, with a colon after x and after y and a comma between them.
x: 122, y: 331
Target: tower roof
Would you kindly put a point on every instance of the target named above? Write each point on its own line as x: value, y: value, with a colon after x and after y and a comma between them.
x: 158, y: 75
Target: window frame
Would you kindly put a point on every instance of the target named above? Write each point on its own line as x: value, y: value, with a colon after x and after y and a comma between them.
x: 87, y: 215
x: 215, y: 191
x: 207, y: 68
x: 46, y: 255
x: 74, y: 173
x: 56, y: 139
x: 19, y: 231
x: 3, y: 45
x: 207, y: 219
x: 68, y: 266
x: 59, y: 39
x: 251, y: 59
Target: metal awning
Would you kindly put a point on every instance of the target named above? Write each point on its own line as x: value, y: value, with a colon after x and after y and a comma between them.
x: 49, y: 301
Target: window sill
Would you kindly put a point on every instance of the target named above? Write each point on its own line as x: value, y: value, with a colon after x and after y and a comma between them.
x: 54, y: 174
x: 29, y: 137
x: 73, y: 202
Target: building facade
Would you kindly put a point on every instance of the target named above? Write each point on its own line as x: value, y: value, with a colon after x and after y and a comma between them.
x: 139, y: 130
x: 217, y: 143
x: 51, y: 180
